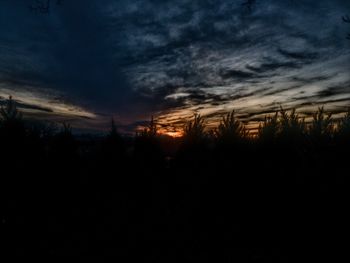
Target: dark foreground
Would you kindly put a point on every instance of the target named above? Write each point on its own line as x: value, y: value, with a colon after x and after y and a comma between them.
x: 251, y: 203
x: 282, y: 197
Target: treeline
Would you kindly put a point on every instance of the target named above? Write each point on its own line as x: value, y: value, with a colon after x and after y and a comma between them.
x: 220, y: 195
x: 281, y: 126
x: 285, y: 135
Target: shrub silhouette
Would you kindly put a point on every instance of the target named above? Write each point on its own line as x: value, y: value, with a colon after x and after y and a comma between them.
x: 269, y: 129
x: 291, y: 123
x: 292, y: 127
x: 194, y: 131
x: 344, y: 125
x: 283, y: 127
x: 230, y: 129
x: 322, y: 125
x: 343, y: 132
x: 194, y: 146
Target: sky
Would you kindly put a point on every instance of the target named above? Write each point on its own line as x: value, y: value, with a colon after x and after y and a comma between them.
x: 87, y: 61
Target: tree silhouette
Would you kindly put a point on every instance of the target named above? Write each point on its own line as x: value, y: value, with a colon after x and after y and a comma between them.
x: 11, y: 122
x: 113, y: 132
x: 10, y: 112
x: 113, y: 147
x: 13, y: 134
x: 151, y: 130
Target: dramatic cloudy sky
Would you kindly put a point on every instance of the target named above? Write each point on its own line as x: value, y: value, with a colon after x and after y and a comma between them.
x: 88, y: 60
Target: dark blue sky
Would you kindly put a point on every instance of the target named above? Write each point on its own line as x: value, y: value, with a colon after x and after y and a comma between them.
x: 88, y: 60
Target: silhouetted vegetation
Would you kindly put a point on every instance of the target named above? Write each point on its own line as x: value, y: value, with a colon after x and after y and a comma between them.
x: 211, y: 195
x: 194, y: 130
x: 113, y: 145
x: 230, y: 129
x: 343, y: 129
x: 269, y: 129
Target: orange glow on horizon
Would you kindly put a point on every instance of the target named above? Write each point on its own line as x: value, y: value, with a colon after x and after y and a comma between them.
x: 174, y: 134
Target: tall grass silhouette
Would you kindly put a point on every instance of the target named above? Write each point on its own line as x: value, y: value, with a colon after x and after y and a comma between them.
x: 194, y: 130
x: 343, y: 128
x: 291, y: 125
x: 269, y: 129
x: 282, y: 124
x: 322, y: 126
x: 230, y: 129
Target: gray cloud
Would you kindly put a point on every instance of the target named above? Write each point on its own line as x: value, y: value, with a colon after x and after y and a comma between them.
x: 144, y: 57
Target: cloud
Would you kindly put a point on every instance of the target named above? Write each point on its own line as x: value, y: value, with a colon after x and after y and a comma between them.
x: 236, y: 74
x: 298, y: 55
x: 134, y: 59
